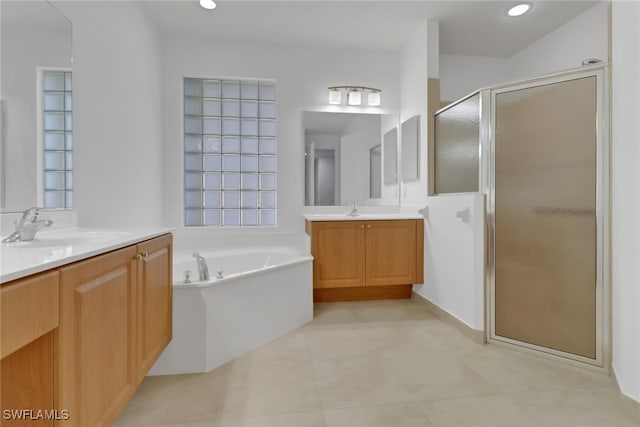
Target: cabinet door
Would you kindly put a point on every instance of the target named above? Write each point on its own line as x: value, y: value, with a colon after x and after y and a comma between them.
x: 96, y: 372
x: 391, y: 252
x: 154, y: 301
x: 338, y: 254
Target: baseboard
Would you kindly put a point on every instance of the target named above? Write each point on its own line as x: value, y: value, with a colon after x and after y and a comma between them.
x: 630, y: 406
x: 477, y: 336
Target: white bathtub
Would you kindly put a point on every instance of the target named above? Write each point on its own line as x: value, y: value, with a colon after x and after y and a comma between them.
x: 264, y: 294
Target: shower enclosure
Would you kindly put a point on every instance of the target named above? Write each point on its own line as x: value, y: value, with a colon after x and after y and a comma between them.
x: 538, y: 150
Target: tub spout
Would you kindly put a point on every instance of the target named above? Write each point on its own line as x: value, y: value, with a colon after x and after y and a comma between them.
x: 203, y: 270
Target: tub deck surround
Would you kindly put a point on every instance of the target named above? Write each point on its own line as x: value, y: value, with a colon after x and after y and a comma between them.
x: 61, y: 246
x: 265, y: 293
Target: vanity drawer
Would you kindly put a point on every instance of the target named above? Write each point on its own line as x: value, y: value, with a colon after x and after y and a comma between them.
x: 29, y: 309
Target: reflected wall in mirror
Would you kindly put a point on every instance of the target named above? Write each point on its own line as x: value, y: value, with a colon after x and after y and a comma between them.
x: 35, y: 37
x: 390, y: 143
x: 344, y: 158
x: 410, y: 136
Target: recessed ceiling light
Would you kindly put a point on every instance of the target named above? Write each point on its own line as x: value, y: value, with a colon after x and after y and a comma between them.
x: 208, y: 4
x: 519, y: 9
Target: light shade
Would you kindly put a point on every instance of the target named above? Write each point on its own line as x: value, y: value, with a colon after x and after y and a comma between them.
x: 208, y: 4
x: 374, y: 99
x: 354, y: 97
x: 519, y: 9
x: 335, y: 96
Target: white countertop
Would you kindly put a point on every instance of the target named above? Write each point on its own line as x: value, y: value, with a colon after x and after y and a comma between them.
x: 53, y: 248
x: 361, y: 217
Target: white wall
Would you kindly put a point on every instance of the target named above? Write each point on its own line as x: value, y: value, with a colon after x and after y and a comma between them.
x: 461, y: 74
x: 303, y: 76
x: 23, y: 51
x: 625, y: 192
x: 117, y: 117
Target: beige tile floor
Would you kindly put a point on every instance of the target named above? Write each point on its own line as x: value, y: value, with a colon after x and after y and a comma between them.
x: 379, y: 364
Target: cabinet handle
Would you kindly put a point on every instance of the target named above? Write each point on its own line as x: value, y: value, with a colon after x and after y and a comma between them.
x: 369, y: 226
x: 362, y: 226
x: 141, y: 255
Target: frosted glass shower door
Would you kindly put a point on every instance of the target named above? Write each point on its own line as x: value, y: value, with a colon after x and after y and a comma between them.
x: 545, y: 241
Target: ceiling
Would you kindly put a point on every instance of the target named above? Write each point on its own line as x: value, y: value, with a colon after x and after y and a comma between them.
x: 466, y: 27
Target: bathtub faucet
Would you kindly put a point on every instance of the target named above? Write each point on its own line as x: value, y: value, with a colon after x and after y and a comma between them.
x: 203, y: 270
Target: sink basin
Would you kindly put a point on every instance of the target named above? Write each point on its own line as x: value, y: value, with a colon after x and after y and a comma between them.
x: 360, y: 216
x: 65, y: 238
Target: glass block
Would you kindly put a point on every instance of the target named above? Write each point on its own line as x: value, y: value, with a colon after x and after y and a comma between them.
x: 193, y: 125
x: 267, y: 163
x: 249, y: 217
x: 212, y: 217
x: 54, y: 141
x: 249, y: 181
x: 231, y: 89
x: 267, y: 91
x: 231, y: 217
x: 68, y: 121
x: 54, y: 181
x: 192, y: 87
x: 67, y: 81
x: 249, y: 163
x: 211, y: 126
x: 267, y: 217
x: 53, y: 81
x: 69, y: 200
x: 231, y: 162
x: 249, y: 145
x: 211, y: 107
x: 53, y: 160
x: 267, y: 146
x: 212, y: 144
x: 193, y: 199
x: 213, y: 181
x: 230, y: 108
x: 192, y: 162
x: 68, y: 141
x: 267, y: 128
x: 268, y: 110
x: 54, y: 199
x: 192, y: 217
x: 193, y: 106
x: 193, y: 181
x: 68, y: 156
x: 249, y: 90
x: 268, y: 199
x: 212, y: 199
x: 192, y: 143
x: 69, y: 182
x: 54, y: 121
x: 68, y: 102
x: 211, y: 88
x: 212, y: 162
x: 230, y: 144
x: 54, y: 101
x: 267, y: 181
x: 249, y: 199
x: 249, y: 109
x: 231, y: 181
x: 231, y: 127
x: 231, y: 199
x: 249, y: 127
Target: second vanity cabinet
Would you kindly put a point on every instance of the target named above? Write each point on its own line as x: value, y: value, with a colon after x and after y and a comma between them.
x: 383, y: 256
x: 112, y: 320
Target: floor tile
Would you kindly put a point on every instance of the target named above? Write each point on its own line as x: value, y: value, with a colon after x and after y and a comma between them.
x: 299, y: 419
x: 398, y: 415
x: 485, y: 411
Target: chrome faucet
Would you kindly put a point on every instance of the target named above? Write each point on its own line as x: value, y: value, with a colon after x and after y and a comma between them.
x: 27, y: 226
x: 203, y: 270
x: 354, y: 210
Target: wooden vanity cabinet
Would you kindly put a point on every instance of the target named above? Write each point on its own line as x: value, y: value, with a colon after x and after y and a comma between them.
x: 375, y: 259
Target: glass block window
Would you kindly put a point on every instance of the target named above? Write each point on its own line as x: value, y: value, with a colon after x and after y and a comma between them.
x: 57, y: 137
x: 229, y: 152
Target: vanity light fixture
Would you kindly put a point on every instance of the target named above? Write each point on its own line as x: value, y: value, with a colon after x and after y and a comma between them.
x: 208, y: 4
x: 354, y: 95
x: 519, y: 9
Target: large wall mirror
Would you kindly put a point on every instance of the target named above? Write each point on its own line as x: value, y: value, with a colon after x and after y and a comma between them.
x: 346, y: 160
x: 36, y: 100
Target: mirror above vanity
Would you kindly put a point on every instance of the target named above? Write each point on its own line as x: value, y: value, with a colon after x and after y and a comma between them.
x: 350, y: 157
x: 35, y: 124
